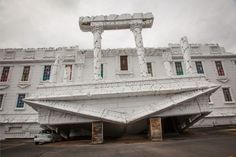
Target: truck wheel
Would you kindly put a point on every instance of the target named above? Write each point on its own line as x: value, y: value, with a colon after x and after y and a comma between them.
x: 36, y: 143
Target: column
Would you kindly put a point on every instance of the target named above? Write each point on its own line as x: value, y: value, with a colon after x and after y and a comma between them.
x: 185, y: 48
x: 167, y: 63
x: 56, y: 69
x: 155, y: 129
x: 137, y: 31
x: 79, y: 62
x: 97, y: 132
x: 97, y: 32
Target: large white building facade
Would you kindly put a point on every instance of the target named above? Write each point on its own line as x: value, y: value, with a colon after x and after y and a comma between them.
x: 110, y: 92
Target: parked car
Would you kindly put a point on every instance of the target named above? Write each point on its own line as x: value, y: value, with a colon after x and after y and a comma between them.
x: 47, y: 136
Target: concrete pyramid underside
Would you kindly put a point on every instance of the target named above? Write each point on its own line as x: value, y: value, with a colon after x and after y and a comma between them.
x: 121, y: 102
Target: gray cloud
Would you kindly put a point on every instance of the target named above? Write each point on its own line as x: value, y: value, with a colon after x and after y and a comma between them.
x: 46, y: 23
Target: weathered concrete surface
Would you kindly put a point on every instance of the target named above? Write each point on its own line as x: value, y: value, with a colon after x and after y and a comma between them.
x: 97, y: 132
x: 110, y: 22
x: 155, y: 129
x: 212, y: 143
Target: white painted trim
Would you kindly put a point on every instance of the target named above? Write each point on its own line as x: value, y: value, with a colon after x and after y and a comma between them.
x: 9, y: 75
x: 105, y: 69
x: 30, y: 74
x: 216, y: 72
x: 183, y: 67
x: 41, y: 73
x: 230, y: 90
x: 211, y: 102
x: 20, y: 109
x: 3, y: 100
x: 152, y: 66
x: 203, y: 66
x: 64, y: 70
x: 130, y: 65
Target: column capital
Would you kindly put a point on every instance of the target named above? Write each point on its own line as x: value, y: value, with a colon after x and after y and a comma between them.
x: 135, y: 26
x: 97, y: 29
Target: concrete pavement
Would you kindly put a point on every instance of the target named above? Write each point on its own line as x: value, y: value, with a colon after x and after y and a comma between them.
x: 198, y: 143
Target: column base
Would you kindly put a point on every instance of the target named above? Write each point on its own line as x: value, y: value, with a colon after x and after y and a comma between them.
x: 97, y: 132
x: 155, y: 129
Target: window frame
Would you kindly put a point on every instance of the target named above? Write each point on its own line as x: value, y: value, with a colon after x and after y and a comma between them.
x: 203, y: 71
x: 210, y: 98
x: 3, y: 100
x: 127, y: 63
x: 231, y: 95
x: 151, y: 73
x: 118, y: 72
x: 102, y: 70
x: 30, y: 69
x: 217, y: 72
x: 8, y: 74
x: 17, y: 96
x: 42, y: 75
x: 64, y: 72
x: 181, y: 68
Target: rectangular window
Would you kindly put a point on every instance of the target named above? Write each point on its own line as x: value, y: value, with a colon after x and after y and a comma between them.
x: 1, y: 100
x: 20, y: 102
x: 25, y: 74
x: 219, y: 68
x: 199, y: 67
x: 179, y: 69
x: 46, y: 72
x: 101, y: 70
x: 209, y: 99
x: 5, y: 74
x: 227, y: 95
x: 149, y: 68
x: 68, y: 72
x: 123, y: 62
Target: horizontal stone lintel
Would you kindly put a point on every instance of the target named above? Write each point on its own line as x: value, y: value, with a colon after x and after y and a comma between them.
x: 110, y: 22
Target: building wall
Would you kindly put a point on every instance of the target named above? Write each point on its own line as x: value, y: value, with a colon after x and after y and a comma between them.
x: 25, y: 120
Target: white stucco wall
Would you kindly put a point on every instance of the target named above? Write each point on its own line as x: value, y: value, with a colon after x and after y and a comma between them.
x: 110, y: 59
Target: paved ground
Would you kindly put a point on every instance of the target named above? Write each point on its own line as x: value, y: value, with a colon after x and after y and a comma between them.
x: 197, y: 143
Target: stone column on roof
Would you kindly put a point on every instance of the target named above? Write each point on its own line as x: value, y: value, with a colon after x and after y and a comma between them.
x: 186, y: 51
x: 97, y: 31
x: 136, y: 28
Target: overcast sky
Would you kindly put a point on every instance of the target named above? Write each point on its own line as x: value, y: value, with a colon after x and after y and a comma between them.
x: 54, y: 23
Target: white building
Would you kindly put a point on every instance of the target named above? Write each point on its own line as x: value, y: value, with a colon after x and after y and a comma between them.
x: 114, y: 91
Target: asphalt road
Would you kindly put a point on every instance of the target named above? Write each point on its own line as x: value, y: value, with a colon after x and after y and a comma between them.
x: 198, y: 143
